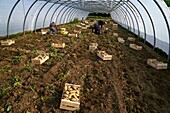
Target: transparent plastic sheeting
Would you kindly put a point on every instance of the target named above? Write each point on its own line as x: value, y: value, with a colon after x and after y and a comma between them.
x: 38, y: 16
x: 149, y: 19
x: 128, y: 13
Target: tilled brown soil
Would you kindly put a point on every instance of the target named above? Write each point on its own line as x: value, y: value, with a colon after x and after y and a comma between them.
x: 126, y: 84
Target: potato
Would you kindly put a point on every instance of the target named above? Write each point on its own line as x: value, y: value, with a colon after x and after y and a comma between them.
x: 65, y: 95
x: 73, y: 87
x: 74, y: 99
x: 65, y: 88
x: 67, y: 92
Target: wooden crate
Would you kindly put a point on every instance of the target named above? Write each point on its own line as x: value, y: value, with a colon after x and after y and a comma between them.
x: 104, y: 56
x: 72, y: 35
x: 77, y: 32
x: 93, y: 46
x: 121, y: 40
x: 115, y: 35
x: 40, y: 59
x: 115, y: 27
x: 84, y: 27
x: 87, y: 26
x: 156, y: 64
x: 7, y: 42
x: 58, y: 45
x: 78, y: 26
x: 136, y: 47
x: 71, y: 97
x: 86, y: 22
x: 131, y: 39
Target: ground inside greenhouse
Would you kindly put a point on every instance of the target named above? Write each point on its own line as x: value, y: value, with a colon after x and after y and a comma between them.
x: 126, y: 84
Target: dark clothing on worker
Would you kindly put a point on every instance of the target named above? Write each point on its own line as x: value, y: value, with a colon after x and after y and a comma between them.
x: 53, y: 28
x: 101, y: 23
x: 96, y: 27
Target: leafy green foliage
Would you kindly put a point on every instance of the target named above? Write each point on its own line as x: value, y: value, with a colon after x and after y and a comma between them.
x: 76, y: 20
x: 167, y: 2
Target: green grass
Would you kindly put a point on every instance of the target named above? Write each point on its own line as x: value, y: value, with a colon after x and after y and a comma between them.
x: 5, y: 68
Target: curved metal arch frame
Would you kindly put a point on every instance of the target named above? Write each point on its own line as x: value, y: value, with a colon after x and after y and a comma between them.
x: 144, y: 26
x: 119, y: 16
x: 151, y: 20
x: 48, y: 12
x: 67, y: 7
x: 9, y: 17
x: 134, y: 17
x: 119, y: 11
x: 56, y: 10
x: 71, y: 14
x: 166, y: 21
x: 127, y: 16
x: 116, y: 17
x: 27, y: 14
x: 68, y: 12
x: 130, y: 17
x: 39, y: 14
x: 68, y: 15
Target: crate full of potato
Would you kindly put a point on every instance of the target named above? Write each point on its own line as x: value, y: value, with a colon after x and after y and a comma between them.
x: 104, y: 56
x: 135, y: 47
x: 93, y: 46
x: 84, y: 27
x: 40, y: 59
x: 59, y: 45
x: 156, y: 64
x: 71, y: 97
x: 121, y: 40
x: 79, y: 26
x: 7, y: 42
x: 72, y: 35
x: 77, y: 32
x: 131, y: 39
x: 115, y: 35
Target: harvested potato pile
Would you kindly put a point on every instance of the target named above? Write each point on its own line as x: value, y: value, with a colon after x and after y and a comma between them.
x: 102, y: 53
x: 71, y: 93
x: 42, y: 56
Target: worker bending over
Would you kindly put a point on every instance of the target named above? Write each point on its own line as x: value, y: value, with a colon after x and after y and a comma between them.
x: 53, y: 28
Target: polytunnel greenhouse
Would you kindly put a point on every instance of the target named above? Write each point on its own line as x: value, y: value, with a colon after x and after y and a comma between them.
x: 84, y: 56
